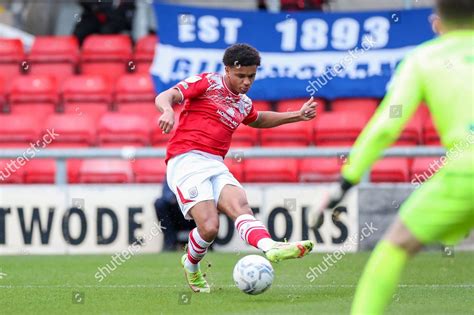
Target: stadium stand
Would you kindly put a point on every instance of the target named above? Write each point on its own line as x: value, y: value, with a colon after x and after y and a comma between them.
x: 118, y: 129
x: 365, y: 105
x: 391, y: 170
x: 295, y: 104
x: 34, y: 88
x: 107, y: 55
x: 134, y: 93
x: 245, y: 136
x: 105, y: 171
x: 94, y: 97
x: 339, y: 128
x: 19, y: 130
x: 74, y: 130
x: 149, y: 170
x: 423, y: 168
x: 430, y: 135
x: 40, y: 171
x: 289, y: 135
x: 319, y: 169
x: 57, y: 56
x: 144, y: 52
x: 87, y: 94
x: 9, y: 177
x: 11, y: 57
x: 271, y: 170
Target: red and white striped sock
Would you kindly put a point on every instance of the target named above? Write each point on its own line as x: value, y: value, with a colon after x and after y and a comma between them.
x: 253, y: 232
x: 197, y: 248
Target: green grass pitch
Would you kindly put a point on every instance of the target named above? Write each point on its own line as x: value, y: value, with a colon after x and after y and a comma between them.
x: 154, y: 284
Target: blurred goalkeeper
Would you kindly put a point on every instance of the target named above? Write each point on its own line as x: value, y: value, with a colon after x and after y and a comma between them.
x: 196, y: 173
x: 441, y: 72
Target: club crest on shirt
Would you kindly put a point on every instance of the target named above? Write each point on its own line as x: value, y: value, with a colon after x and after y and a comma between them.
x: 184, y: 85
x: 193, y: 192
x: 193, y: 79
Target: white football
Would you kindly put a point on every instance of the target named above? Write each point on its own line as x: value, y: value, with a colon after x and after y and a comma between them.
x: 253, y: 274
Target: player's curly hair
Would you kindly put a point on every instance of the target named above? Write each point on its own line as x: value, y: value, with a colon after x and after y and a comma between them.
x: 456, y: 11
x: 241, y: 55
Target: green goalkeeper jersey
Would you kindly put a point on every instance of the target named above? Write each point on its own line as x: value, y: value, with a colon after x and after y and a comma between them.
x: 439, y: 72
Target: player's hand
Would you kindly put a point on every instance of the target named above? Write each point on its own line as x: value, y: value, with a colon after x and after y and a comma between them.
x: 166, y: 121
x: 308, y: 110
x: 333, y: 198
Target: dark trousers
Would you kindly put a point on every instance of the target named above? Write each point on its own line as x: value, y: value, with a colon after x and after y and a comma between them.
x: 172, y: 219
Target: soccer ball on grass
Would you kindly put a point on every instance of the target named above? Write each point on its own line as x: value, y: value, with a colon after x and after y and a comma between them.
x: 253, y: 274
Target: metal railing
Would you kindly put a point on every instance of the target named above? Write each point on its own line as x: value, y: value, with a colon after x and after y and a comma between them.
x: 61, y: 155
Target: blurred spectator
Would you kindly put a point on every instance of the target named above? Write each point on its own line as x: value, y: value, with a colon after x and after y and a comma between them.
x: 290, y: 5
x: 172, y: 220
x: 104, y: 17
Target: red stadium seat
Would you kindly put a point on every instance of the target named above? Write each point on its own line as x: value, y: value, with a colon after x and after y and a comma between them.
x: 339, y: 128
x: 271, y: 170
x: 101, y: 171
x: 244, y: 136
x: 144, y: 53
x: 430, y: 133
x: 366, y: 105
x: 288, y: 135
x: 391, y: 170
x: 319, y: 169
x: 423, y: 168
x: 149, y: 170
x: 75, y: 130
x: 73, y: 170
x: 92, y: 110
x: 79, y: 92
x: 34, y: 89
x: 135, y: 88
x: 411, y: 134
x: 54, y: 55
x: 11, y: 57
x: 236, y: 167
x: 3, y: 99
x: 10, y: 173
x: 158, y: 138
x: 107, y: 55
x: 40, y: 171
x: 19, y: 130
x: 295, y: 105
x: 145, y: 109
x: 261, y: 106
x: 38, y: 110
x: 117, y: 129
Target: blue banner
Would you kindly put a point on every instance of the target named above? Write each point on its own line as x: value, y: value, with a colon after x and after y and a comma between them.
x: 328, y: 55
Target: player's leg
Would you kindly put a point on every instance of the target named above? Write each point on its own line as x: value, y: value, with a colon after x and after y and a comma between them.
x: 232, y: 201
x: 382, y: 272
x: 193, y: 190
x: 435, y: 212
x: 201, y: 237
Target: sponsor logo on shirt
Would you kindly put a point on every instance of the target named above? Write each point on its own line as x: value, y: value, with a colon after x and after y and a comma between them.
x: 226, y: 119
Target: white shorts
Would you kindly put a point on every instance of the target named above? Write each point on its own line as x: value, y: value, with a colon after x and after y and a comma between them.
x: 197, y: 176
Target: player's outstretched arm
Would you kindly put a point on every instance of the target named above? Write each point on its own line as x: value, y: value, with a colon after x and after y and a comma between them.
x: 268, y: 119
x: 164, y: 102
